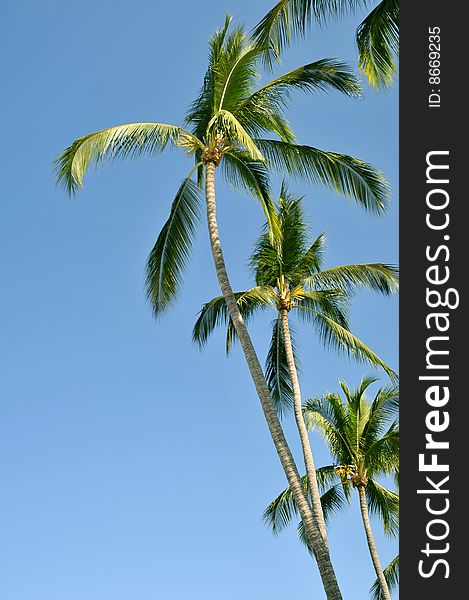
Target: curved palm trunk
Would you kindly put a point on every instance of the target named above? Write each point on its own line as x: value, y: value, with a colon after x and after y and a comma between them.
x: 303, y: 431
x: 326, y: 571
x: 371, y: 543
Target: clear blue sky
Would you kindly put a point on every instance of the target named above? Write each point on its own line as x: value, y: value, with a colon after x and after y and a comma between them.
x: 131, y: 464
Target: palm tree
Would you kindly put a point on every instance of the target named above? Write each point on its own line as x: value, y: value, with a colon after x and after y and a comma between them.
x: 377, y: 36
x: 289, y: 277
x: 363, y: 438
x: 226, y: 127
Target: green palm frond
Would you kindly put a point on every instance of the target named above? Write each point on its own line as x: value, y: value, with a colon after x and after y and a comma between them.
x: 378, y: 43
x: 324, y: 75
x: 277, y: 373
x: 385, y: 505
x: 135, y: 139
x: 341, y: 173
x: 335, y: 335
x: 334, y: 496
x: 328, y: 415
x: 242, y: 172
x: 312, y: 260
x: 215, y: 313
x: 263, y: 117
x: 391, y: 574
x: 382, y: 455
x: 334, y: 499
x: 171, y: 251
x: 383, y: 410
x: 290, y: 19
x: 281, y: 511
x: 333, y: 304
x: 375, y: 276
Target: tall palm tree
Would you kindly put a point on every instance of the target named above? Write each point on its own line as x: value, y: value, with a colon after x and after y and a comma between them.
x: 289, y: 277
x: 377, y: 36
x: 363, y: 438
x: 226, y: 126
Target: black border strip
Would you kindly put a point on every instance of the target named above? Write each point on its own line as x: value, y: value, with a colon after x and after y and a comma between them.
x: 433, y: 128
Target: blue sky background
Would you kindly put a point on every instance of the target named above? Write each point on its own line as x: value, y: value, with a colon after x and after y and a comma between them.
x: 131, y: 464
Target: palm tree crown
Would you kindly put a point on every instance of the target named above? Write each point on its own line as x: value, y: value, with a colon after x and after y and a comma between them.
x: 289, y: 275
x: 229, y: 124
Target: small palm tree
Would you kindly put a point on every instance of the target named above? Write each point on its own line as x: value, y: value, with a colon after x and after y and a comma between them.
x: 363, y: 438
x: 377, y: 36
x: 228, y: 125
x: 289, y: 278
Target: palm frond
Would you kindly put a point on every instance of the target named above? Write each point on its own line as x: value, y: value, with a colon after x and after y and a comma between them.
x: 383, y: 410
x: 328, y: 414
x: 334, y: 499
x: 382, y: 455
x: 341, y: 173
x: 215, y: 313
x: 378, y: 43
x: 334, y: 496
x: 385, y: 505
x: 242, y: 172
x: 135, y: 139
x: 290, y: 19
x: 391, y: 574
x: 311, y: 260
x: 374, y: 276
x: 172, y: 249
x: 324, y: 75
x: 281, y: 511
x: 333, y: 303
x: 277, y: 373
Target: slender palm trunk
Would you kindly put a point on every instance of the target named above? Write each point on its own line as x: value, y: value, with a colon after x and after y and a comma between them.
x: 371, y: 543
x: 326, y: 571
x: 303, y: 431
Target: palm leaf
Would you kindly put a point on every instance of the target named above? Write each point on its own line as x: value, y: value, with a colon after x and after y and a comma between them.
x: 291, y: 19
x: 328, y: 414
x: 333, y: 304
x: 384, y: 409
x: 378, y: 43
x: 376, y: 276
x: 172, y: 249
x: 242, y: 172
x: 391, y: 574
x: 277, y: 373
x: 215, y: 313
x: 311, y: 261
x: 281, y: 511
x: 341, y: 173
x: 382, y: 455
x: 334, y: 496
x: 384, y: 504
x: 124, y: 141
x: 323, y: 75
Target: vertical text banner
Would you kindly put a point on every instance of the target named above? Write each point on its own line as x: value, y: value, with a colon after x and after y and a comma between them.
x: 434, y: 335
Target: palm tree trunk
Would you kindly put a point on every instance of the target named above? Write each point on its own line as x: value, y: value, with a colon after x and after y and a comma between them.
x: 371, y: 543
x: 326, y: 570
x: 300, y: 423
